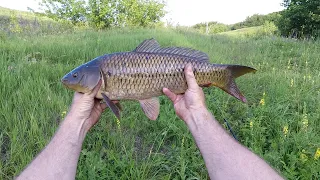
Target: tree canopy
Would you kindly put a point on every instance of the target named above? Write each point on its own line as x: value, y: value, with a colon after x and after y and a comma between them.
x: 257, y: 20
x: 106, y: 13
x: 301, y: 18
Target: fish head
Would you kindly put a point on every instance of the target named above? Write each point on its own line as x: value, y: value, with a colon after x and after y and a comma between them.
x: 83, y: 78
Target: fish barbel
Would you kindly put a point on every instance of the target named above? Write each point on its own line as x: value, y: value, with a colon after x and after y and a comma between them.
x: 141, y: 75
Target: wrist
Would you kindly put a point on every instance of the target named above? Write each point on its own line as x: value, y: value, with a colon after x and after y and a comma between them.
x: 198, y: 118
x: 75, y: 127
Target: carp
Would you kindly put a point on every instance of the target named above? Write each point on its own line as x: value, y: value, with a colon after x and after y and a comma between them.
x: 141, y: 75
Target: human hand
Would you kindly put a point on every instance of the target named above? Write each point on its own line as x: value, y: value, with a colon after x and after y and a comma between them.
x: 191, y: 101
x: 85, y: 109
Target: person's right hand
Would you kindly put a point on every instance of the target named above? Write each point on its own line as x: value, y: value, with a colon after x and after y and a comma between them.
x: 192, y: 101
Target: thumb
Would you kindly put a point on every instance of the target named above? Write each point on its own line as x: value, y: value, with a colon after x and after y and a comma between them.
x: 191, y: 80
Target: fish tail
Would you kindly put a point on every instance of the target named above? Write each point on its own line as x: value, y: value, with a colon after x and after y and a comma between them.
x: 230, y: 86
x: 238, y: 70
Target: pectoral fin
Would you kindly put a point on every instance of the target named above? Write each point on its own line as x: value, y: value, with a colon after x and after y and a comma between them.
x: 150, y: 107
x: 114, y: 108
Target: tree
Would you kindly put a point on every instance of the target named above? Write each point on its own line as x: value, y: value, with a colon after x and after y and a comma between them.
x: 73, y: 10
x: 300, y: 19
x: 150, y: 12
x: 106, y: 13
x: 101, y: 13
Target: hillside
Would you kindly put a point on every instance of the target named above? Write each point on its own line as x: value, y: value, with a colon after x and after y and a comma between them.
x: 14, y: 21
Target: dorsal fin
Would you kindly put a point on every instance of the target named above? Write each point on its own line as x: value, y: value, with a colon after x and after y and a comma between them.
x: 148, y: 45
x: 152, y: 46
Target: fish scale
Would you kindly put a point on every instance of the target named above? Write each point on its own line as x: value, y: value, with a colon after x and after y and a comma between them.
x: 165, y: 70
x: 143, y: 73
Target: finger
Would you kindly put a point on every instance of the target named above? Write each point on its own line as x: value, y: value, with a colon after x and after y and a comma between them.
x: 96, y: 89
x: 103, y: 106
x: 172, y: 96
x: 191, y: 80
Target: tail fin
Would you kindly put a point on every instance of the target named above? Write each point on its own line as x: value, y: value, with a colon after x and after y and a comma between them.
x: 231, y: 87
x: 238, y: 70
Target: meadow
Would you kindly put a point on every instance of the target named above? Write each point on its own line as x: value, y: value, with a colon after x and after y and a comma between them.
x: 280, y: 122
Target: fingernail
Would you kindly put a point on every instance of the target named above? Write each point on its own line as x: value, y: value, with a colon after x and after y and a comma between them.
x: 164, y: 90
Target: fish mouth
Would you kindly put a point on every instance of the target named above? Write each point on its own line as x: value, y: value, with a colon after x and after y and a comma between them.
x: 64, y: 80
x: 69, y: 83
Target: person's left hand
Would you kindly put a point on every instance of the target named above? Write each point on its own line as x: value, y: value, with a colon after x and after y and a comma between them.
x: 86, y: 109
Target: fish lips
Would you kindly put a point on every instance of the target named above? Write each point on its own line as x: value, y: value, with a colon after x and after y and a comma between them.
x: 65, y: 79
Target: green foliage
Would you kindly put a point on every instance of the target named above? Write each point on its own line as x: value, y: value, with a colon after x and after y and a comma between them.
x: 144, y: 13
x: 301, y: 19
x: 213, y: 27
x: 73, y: 10
x: 267, y: 29
x: 100, y: 13
x: 280, y: 122
x: 265, y: 23
x: 106, y: 13
x: 257, y: 20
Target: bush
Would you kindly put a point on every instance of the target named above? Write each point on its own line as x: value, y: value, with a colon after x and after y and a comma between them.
x: 268, y: 29
x: 213, y: 27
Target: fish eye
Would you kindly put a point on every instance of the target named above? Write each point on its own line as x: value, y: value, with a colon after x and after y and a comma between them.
x: 75, y: 75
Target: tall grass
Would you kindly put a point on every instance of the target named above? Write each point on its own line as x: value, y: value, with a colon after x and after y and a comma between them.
x: 280, y: 122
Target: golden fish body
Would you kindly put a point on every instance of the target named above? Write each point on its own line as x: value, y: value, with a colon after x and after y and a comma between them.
x: 138, y: 76
x: 143, y: 73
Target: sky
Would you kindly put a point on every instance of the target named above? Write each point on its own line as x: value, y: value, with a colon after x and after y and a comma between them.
x: 190, y: 12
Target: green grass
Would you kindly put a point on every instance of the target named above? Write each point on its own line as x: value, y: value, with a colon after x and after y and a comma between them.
x: 284, y: 131
x: 242, y: 31
x: 267, y: 29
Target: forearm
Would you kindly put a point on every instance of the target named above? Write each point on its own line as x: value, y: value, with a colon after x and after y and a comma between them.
x: 59, y: 159
x: 224, y: 157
